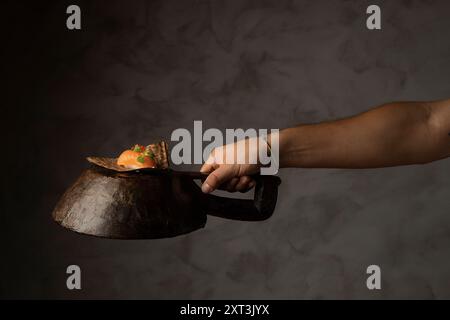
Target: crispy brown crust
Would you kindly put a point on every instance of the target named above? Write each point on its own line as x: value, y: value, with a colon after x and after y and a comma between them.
x: 160, y: 151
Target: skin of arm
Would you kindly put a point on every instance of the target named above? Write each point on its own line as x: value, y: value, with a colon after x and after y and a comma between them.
x: 394, y: 134
x: 401, y: 133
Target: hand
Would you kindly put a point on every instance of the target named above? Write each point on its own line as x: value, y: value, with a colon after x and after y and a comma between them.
x: 232, y: 173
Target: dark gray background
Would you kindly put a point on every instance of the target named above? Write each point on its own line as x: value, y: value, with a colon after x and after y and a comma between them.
x: 139, y: 69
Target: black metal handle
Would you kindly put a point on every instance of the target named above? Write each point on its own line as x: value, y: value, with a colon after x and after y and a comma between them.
x: 260, y: 208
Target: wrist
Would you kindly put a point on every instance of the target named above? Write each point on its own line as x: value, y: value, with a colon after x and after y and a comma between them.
x: 269, y: 153
x: 293, y: 144
x: 284, y: 141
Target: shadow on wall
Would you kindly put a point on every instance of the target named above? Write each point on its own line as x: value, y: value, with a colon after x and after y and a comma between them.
x: 136, y: 71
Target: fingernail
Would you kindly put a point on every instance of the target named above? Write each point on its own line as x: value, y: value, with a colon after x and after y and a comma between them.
x: 251, y: 184
x: 206, y: 188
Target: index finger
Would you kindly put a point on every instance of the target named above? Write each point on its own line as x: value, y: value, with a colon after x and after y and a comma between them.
x: 216, y: 178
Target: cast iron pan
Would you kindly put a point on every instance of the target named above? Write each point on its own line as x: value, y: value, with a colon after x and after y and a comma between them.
x: 153, y: 203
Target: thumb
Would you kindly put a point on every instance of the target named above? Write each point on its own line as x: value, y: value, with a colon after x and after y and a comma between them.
x: 209, y: 165
x: 217, y: 177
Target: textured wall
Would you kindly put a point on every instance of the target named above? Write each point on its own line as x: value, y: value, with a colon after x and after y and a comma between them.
x: 139, y: 69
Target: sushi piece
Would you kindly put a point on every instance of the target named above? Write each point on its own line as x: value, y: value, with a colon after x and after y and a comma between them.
x: 138, y: 157
x: 153, y: 156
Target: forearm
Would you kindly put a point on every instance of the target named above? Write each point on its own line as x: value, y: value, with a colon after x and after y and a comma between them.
x: 393, y: 134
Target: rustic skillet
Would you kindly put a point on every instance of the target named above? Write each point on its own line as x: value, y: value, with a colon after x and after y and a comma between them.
x: 153, y: 203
